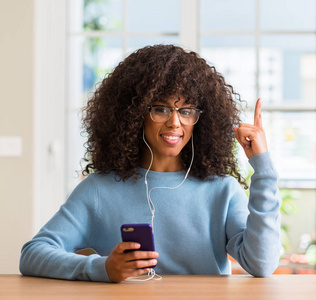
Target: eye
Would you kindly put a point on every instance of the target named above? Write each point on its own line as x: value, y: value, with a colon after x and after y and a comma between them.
x: 161, y: 110
x: 187, y: 112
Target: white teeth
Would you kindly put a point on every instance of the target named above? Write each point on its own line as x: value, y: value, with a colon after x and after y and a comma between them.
x: 173, y: 138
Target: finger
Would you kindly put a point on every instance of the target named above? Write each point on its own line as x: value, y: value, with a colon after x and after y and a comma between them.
x: 247, y: 133
x: 135, y: 255
x: 121, y: 247
x: 244, y: 142
x: 246, y: 125
x: 140, y: 264
x: 257, y: 118
x: 129, y: 273
x: 237, y: 135
x: 137, y: 272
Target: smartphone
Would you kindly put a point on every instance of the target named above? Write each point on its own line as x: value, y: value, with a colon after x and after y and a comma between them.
x: 139, y: 233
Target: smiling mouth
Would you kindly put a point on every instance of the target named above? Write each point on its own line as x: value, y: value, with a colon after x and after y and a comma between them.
x: 171, y: 139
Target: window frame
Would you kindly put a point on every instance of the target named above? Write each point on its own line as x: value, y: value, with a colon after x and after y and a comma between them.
x: 49, y: 79
x: 51, y: 31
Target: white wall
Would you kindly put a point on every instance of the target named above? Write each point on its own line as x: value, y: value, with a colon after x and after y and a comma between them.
x: 16, y: 106
x: 32, y: 107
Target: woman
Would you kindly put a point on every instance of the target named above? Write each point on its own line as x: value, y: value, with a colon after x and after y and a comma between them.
x: 161, y: 149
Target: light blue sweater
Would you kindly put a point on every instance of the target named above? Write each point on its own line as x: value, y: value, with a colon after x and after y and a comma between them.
x: 195, y: 226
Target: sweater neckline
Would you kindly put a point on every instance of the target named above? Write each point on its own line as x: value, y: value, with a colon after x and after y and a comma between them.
x: 161, y: 175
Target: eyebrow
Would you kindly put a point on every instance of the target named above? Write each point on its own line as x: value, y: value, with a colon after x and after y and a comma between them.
x: 171, y: 104
x: 165, y: 101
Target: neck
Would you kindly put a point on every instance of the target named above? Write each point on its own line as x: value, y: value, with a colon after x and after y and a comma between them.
x: 165, y: 164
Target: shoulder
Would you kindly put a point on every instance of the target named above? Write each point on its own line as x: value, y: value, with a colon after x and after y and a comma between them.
x: 107, y: 182
x: 97, y: 177
x: 91, y: 183
x: 220, y: 183
x: 90, y: 188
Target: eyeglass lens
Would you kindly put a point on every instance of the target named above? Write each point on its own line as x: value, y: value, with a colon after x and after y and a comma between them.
x: 188, y: 116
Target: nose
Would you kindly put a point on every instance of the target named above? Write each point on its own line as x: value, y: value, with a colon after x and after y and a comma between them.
x: 174, y: 120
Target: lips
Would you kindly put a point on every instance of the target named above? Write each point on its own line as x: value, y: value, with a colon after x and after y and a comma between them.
x: 171, y: 138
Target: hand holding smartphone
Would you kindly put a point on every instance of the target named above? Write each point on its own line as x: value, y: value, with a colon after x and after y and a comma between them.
x: 126, y: 259
x: 139, y: 233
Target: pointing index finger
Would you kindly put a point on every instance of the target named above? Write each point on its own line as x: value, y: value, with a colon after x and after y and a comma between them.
x: 258, y: 119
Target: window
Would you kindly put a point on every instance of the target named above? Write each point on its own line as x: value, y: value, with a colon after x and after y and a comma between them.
x: 263, y: 48
x: 101, y: 34
x: 267, y: 49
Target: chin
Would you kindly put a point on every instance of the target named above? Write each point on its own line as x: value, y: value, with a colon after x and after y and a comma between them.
x: 174, y: 153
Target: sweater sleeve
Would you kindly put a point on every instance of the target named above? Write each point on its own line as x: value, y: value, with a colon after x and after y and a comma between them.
x: 51, y: 252
x: 254, y: 237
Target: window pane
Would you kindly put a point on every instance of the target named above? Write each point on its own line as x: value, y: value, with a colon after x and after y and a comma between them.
x: 101, y: 55
x: 90, y: 60
x: 234, y: 57
x: 228, y: 14
x: 104, y: 15
x: 292, y: 143
x: 134, y: 43
x: 287, y: 69
x: 157, y: 16
x: 288, y: 15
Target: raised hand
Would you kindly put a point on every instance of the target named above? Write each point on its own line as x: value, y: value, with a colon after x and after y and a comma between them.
x: 120, y: 264
x: 252, y: 137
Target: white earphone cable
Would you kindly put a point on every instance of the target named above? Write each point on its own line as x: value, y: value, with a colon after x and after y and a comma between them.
x: 152, y: 274
x: 150, y: 202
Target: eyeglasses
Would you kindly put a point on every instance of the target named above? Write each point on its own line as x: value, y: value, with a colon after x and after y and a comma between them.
x: 187, y: 115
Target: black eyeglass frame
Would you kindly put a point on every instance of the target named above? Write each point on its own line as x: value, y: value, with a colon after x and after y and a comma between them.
x: 178, y: 110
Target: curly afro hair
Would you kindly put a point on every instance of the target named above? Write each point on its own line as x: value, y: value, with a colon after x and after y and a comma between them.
x: 114, y: 115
